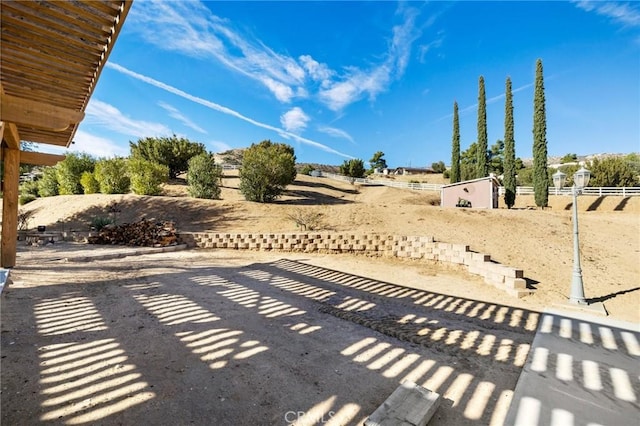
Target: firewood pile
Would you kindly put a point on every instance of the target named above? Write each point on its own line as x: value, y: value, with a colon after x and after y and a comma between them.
x: 145, y: 233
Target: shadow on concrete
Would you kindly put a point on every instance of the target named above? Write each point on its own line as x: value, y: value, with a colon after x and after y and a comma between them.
x: 164, y: 342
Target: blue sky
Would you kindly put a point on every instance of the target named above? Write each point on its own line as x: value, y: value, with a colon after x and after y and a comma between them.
x: 339, y: 80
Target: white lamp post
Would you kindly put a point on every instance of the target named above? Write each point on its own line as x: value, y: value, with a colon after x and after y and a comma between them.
x: 580, y: 180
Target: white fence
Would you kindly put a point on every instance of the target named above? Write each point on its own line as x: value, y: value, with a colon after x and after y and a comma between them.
x: 520, y: 190
x: 384, y: 182
x: 599, y: 191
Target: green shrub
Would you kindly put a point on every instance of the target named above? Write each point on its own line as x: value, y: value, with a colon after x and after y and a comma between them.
x: 306, y: 169
x: 172, y: 152
x: 446, y: 174
x: 26, y: 198
x: 99, y: 222
x: 267, y: 168
x: 48, y: 184
x: 353, y: 168
x: 113, y: 176
x: 146, y: 177
x: 203, y: 177
x: 70, y: 170
x: 29, y: 188
x: 89, y: 183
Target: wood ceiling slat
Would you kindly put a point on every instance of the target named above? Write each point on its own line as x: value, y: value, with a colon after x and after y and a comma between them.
x: 26, y: 83
x: 47, y: 51
x: 29, y: 27
x: 54, y: 51
x: 38, y: 64
x: 110, y: 8
x: 38, y: 14
x: 59, y: 10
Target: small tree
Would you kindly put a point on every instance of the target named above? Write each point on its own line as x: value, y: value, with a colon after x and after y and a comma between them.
x: 146, y: 177
x: 378, y: 161
x: 353, y: 168
x: 468, y: 162
x: 203, y: 177
x: 540, y: 175
x: 495, y: 157
x: 482, y: 167
x: 113, y: 176
x: 172, y: 152
x: 48, y: 183
x: 71, y: 169
x: 509, y: 179
x: 89, y: 183
x: 455, y: 146
x: 267, y: 168
x: 438, y: 167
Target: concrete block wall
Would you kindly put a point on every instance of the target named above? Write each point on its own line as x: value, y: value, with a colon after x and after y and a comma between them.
x: 506, y: 278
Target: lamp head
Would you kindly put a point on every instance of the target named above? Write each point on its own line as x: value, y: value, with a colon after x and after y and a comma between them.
x: 581, y: 178
x: 559, y: 179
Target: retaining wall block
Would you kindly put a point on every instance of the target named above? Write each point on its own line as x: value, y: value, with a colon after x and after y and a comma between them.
x: 515, y: 283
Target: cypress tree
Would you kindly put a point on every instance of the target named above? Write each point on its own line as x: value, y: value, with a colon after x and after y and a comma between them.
x: 540, y: 178
x: 482, y: 167
x: 455, y: 147
x: 509, y: 150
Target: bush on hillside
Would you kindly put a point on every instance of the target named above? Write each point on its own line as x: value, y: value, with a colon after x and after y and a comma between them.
x: 306, y: 169
x: 113, y: 176
x: 29, y: 187
x: 353, y: 168
x: 172, y: 152
x: 26, y: 198
x: 70, y: 170
x: 146, y: 177
x: 203, y: 177
x: 48, y: 183
x: 89, y: 183
x: 267, y: 168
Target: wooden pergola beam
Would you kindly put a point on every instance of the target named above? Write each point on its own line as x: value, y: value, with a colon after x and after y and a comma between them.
x: 40, y: 158
x: 10, y: 135
x: 11, y: 178
x: 32, y: 113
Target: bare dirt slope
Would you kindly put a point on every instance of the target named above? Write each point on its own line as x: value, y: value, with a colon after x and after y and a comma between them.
x: 537, y: 241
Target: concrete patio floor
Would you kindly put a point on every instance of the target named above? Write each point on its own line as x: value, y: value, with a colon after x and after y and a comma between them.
x: 237, y: 338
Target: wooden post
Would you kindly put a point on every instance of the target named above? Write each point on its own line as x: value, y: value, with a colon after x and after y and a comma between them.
x: 11, y: 179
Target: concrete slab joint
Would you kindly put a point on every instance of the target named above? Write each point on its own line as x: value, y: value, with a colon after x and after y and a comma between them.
x: 506, y: 278
x: 409, y: 404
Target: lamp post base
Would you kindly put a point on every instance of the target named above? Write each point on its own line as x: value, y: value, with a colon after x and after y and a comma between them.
x: 596, y: 308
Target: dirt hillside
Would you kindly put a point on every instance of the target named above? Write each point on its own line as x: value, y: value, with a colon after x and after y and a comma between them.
x: 537, y: 241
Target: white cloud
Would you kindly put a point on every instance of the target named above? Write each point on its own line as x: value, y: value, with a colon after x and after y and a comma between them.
x: 110, y: 117
x: 336, y: 133
x: 173, y: 112
x: 191, y: 29
x: 317, y: 71
x: 97, y: 145
x: 220, y: 108
x: 621, y: 13
x: 282, y: 92
x: 294, y: 120
x: 358, y: 83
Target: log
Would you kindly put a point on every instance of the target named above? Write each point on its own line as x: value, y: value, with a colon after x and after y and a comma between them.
x: 144, y: 233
